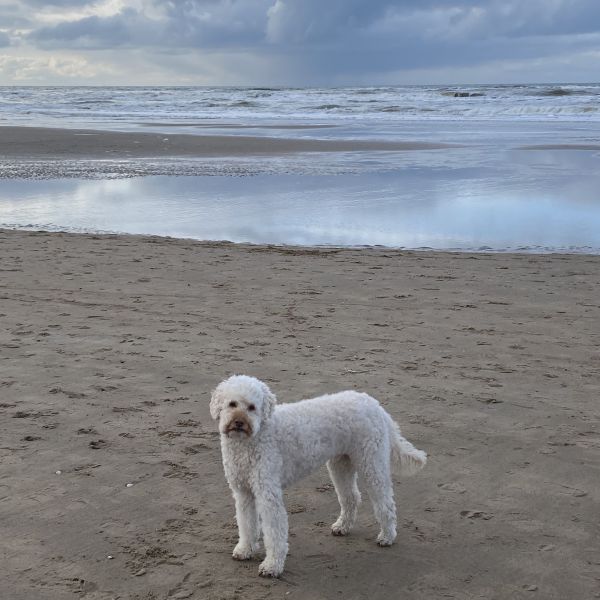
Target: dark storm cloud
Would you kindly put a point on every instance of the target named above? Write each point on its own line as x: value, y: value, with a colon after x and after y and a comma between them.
x: 358, y: 37
x: 313, y: 19
x: 291, y: 21
x: 215, y: 23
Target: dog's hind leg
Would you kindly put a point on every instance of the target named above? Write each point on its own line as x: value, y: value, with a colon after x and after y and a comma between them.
x: 374, y: 470
x: 248, y: 526
x: 343, y: 475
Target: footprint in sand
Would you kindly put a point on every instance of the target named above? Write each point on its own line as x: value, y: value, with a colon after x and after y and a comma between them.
x: 476, y: 514
x: 98, y: 444
x: 86, y: 430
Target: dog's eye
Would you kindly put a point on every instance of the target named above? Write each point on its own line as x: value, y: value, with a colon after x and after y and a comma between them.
x: 233, y: 404
x: 251, y: 407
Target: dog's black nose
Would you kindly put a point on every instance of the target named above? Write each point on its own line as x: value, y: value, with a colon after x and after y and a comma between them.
x: 239, y: 424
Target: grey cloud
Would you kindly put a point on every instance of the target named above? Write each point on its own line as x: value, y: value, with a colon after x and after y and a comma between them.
x: 515, y: 19
x: 325, y: 38
x: 183, y: 24
x: 563, y: 18
x: 45, y: 3
x: 218, y: 22
x: 314, y: 20
x: 97, y: 32
x: 399, y: 36
x: 4, y: 40
x: 215, y: 23
x: 346, y: 38
x: 12, y: 16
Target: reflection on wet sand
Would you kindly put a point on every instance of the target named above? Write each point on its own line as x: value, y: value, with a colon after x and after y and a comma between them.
x: 533, y: 200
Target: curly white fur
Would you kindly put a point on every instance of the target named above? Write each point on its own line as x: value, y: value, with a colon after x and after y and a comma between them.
x: 267, y: 447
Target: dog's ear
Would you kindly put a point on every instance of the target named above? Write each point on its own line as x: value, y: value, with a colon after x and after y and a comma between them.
x: 216, y: 402
x: 269, y: 400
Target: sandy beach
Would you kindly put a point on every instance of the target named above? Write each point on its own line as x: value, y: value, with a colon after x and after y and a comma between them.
x: 59, y: 144
x: 110, y: 346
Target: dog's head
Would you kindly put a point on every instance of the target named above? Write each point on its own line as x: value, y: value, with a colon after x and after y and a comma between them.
x: 241, y: 404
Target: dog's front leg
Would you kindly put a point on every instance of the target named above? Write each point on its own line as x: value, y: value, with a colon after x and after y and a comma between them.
x: 247, y: 520
x: 274, y: 521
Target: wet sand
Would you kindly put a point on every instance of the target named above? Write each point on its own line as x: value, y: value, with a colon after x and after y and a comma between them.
x: 59, y: 144
x: 110, y: 346
x: 219, y: 125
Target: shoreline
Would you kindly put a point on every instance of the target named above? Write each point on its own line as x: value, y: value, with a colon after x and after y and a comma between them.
x: 304, y: 248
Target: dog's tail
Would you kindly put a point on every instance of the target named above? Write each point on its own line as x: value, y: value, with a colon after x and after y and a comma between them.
x: 411, y: 459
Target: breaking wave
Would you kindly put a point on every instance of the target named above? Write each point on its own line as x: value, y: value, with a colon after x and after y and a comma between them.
x: 97, y: 106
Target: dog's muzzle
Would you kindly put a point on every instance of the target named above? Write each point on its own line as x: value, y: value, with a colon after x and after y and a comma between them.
x: 237, y: 425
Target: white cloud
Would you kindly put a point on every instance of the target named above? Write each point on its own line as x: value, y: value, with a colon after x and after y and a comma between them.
x: 44, y: 69
x: 53, y: 15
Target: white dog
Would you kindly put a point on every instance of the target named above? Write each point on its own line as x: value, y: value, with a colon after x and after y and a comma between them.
x: 267, y: 447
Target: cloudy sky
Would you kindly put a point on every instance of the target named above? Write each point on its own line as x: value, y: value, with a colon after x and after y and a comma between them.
x: 298, y: 42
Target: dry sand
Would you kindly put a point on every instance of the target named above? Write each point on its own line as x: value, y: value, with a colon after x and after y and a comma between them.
x: 110, y: 346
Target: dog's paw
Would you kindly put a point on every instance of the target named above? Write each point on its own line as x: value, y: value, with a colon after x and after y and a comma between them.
x: 242, y: 552
x: 385, y: 540
x: 339, y: 528
x: 270, y: 568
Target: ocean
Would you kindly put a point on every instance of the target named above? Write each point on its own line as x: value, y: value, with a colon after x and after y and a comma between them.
x: 378, y: 107
x: 523, y: 172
